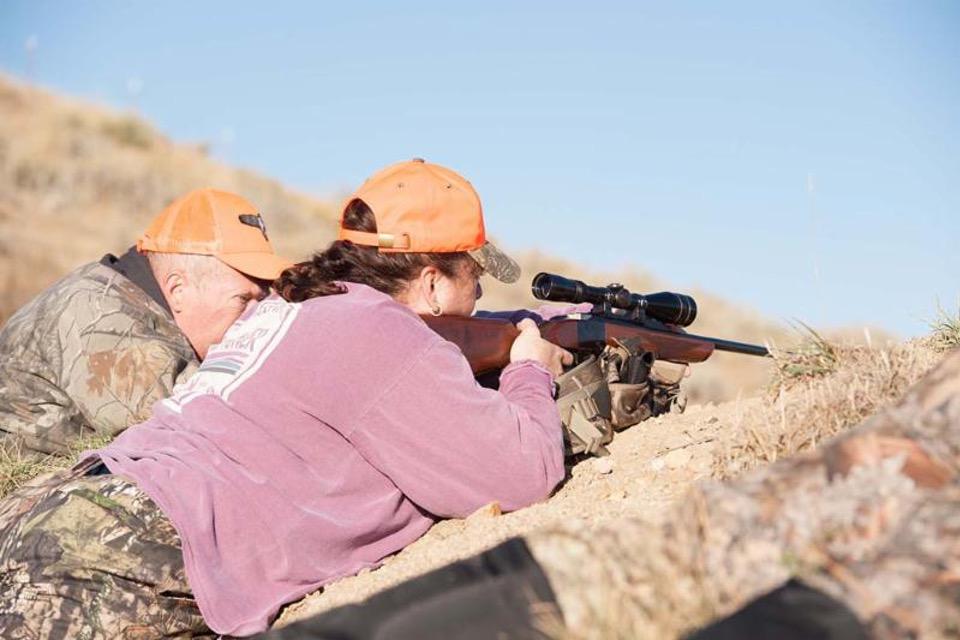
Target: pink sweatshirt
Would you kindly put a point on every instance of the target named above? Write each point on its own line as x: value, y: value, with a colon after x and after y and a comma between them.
x: 318, y: 438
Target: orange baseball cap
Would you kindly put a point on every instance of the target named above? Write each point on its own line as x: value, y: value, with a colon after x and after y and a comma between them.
x: 216, y: 223
x: 425, y: 208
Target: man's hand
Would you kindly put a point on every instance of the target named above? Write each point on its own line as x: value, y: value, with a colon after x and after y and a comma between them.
x: 530, y: 346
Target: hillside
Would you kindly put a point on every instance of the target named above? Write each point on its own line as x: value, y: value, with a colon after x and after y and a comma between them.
x: 79, y: 180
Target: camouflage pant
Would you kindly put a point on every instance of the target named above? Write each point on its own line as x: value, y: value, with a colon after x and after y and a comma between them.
x: 91, y: 556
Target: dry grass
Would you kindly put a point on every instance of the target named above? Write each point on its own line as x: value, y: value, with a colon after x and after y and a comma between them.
x: 129, y: 131
x: 16, y: 468
x: 820, y: 389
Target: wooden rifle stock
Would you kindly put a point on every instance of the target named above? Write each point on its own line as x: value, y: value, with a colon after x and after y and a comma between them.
x: 593, y: 333
x: 486, y: 342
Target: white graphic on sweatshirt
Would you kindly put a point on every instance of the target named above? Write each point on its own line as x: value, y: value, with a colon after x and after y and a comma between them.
x: 243, y: 350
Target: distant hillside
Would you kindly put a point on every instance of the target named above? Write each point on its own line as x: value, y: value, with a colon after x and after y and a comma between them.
x: 78, y: 180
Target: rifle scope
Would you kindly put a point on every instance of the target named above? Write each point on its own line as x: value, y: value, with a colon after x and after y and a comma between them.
x: 665, y: 306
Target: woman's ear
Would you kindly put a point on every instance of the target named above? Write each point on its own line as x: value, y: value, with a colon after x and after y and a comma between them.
x: 428, y: 280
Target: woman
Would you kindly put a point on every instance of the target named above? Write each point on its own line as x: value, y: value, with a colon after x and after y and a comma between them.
x: 330, y: 428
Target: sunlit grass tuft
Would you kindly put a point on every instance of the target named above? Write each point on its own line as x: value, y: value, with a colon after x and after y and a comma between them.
x: 17, y: 467
x: 814, y: 357
x: 945, y: 329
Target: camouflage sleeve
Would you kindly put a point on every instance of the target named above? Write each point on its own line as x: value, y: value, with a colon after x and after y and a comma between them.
x: 117, y: 363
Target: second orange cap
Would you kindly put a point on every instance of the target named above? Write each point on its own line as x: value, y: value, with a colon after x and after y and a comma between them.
x: 216, y: 223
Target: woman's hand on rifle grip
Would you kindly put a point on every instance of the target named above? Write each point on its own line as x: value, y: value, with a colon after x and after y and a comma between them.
x: 529, y: 345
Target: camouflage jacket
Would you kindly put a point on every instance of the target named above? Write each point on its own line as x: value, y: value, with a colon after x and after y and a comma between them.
x: 88, y: 356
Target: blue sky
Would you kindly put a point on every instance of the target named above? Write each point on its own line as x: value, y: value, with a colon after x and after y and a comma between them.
x: 803, y: 160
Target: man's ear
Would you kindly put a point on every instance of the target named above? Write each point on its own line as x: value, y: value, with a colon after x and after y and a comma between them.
x: 173, y: 285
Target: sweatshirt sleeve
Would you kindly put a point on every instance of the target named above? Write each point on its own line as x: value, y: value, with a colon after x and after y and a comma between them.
x: 453, y: 446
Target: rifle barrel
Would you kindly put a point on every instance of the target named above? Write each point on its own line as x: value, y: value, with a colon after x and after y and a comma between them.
x: 737, y: 347
x: 719, y: 344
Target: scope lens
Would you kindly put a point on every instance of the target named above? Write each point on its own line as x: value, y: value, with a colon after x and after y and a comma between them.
x: 547, y: 286
x: 672, y: 308
x: 541, y: 286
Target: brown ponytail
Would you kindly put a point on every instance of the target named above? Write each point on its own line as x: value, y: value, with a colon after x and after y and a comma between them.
x: 344, y: 261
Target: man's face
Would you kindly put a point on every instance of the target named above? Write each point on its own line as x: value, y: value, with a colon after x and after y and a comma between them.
x: 210, y: 301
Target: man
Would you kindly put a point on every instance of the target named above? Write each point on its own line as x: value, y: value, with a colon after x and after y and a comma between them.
x: 92, y: 353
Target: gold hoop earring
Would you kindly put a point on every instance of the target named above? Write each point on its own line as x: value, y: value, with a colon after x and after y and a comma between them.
x: 436, y: 311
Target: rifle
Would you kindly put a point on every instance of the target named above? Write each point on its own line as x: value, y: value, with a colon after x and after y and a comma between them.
x: 649, y: 321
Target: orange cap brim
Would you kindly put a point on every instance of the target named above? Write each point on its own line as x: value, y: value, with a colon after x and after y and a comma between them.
x: 257, y: 264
